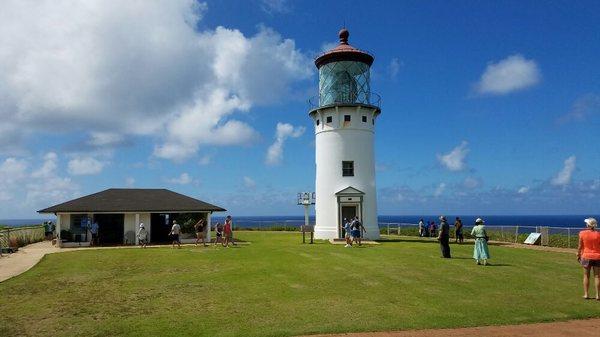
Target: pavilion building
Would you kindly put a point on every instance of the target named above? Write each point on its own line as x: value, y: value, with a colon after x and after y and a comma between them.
x: 119, y: 212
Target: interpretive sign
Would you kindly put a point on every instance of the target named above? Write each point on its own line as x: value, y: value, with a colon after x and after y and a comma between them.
x: 532, y: 238
x: 307, y: 229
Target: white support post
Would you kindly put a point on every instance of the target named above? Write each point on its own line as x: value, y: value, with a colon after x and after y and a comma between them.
x: 306, y: 206
x: 58, y: 238
x: 136, y: 228
x: 208, y: 227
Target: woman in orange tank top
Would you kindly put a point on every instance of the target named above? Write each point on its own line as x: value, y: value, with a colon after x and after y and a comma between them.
x: 588, y: 254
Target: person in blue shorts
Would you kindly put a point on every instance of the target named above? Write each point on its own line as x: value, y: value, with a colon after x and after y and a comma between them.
x: 357, y: 230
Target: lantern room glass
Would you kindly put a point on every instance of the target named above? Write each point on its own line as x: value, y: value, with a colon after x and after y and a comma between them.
x: 344, y: 82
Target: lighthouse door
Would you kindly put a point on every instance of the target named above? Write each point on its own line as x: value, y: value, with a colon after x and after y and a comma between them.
x: 348, y: 212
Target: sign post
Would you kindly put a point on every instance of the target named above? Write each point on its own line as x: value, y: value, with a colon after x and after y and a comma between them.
x: 306, y: 199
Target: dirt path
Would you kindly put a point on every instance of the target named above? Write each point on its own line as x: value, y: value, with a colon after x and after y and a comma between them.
x: 579, y: 328
x: 26, y: 257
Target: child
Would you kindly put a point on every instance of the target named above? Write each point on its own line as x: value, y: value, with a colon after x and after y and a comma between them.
x: 347, y: 234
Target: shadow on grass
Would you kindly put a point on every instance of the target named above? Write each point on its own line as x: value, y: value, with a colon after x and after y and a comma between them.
x: 408, y: 240
x: 498, y: 265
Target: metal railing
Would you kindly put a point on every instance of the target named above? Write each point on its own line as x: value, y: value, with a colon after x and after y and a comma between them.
x: 11, y: 238
x: 372, y: 99
x: 565, y: 237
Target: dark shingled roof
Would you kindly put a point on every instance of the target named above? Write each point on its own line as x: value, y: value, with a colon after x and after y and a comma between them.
x: 133, y: 200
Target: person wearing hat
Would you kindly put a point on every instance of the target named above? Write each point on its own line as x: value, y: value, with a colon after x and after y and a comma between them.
x: 481, y: 252
x: 588, y: 254
x: 444, y: 237
x: 142, y: 236
x: 175, y: 231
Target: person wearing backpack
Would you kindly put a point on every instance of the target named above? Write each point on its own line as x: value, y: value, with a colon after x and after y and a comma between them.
x: 357, y: 231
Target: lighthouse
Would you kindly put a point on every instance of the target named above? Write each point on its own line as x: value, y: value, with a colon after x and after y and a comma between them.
x: 344, y: 117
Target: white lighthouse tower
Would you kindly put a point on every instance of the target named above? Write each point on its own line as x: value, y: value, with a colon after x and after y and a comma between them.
x: 344, y: 120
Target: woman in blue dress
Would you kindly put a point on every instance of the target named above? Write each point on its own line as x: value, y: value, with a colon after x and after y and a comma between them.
x: 481, y: 253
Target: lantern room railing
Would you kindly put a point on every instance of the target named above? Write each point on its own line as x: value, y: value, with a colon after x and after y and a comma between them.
x: 373, y: 99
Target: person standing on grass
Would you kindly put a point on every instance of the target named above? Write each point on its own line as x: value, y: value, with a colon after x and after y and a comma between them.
x: 218, y: 233
x: 228, y: 231
x: 175, y: 231
x: 199, y: 228
x: 357, y: 231
x: 458, y: 230
x: 432, y: 229
x: 481, y: 252
x: 588, y: 254
x: 94, y: 230
x: 347, y: 233
x: 444, y: 237
x: 421, y: 228
x: 142, y: 236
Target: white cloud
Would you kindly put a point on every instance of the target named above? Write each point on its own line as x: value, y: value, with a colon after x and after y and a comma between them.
x: 510, y: 74
x: 563, y: 177
x: 48, y: 168
x: 102, y: 139
x: 283, y: 131
x: 249, y: 182
x: 523, y: 190
x: 183, y: 179
x: 129, y: 181
x: 471, y: 183
x: 85, y: 166
x: 275, y: 6
x: 205, y: 159
x: 138, y: 68
x: 32, y: 188
x: 584, y: 107
x: 327, y: 46
x: 455, y: 159
x: 439, y: 190
x: 12, y: 170
x: 394, y: 68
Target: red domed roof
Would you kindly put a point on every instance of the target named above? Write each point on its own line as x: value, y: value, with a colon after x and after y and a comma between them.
x: 344, y: 52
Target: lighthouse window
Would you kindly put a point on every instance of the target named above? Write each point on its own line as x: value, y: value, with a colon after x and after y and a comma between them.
x: 364, y: 119
x: 373, y: 121
x: 329, y: 119
x: 346, y: 118
x: 348, y: 169
x: 318, y: 122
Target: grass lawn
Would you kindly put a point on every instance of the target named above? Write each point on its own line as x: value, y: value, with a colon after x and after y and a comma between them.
x: 277, y: 286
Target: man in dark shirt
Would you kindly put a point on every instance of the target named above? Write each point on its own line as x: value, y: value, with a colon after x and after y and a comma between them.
x: 444, y: 237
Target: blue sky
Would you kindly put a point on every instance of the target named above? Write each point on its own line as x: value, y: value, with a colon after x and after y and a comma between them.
x: 487, y: 107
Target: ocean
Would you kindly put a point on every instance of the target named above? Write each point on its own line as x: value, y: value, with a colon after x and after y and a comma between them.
x: 575, y: 221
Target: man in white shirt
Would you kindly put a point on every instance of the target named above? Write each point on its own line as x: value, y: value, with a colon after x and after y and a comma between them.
x: 175, y: 231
